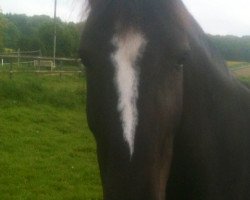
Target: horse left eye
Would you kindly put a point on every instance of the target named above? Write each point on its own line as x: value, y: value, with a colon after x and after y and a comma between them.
x: 84, y: 58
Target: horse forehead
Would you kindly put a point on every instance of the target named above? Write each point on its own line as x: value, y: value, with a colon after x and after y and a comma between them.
x: 129, y: 47
x: 129, y: 42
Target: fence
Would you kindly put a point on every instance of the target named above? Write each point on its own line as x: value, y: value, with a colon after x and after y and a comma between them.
x: 39, y: 65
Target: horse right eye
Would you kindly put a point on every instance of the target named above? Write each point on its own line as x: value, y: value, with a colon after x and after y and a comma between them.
x: 182, y: 58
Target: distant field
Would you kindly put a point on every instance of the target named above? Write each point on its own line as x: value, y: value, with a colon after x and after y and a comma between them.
x: 236, y: 64
x: 46, y: 149
x: 245, y: 80
x: 240, y: 69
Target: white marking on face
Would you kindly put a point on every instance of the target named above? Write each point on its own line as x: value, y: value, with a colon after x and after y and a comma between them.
x: 129, y: 48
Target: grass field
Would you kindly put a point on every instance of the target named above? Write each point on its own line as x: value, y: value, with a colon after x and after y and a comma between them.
x: 239, y: 69
x: 46, y: 149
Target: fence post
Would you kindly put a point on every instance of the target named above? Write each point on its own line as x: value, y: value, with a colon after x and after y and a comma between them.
x: 39, y: 64
x: 18, y: 58
x: 11, y: 68
x: 61, y: 65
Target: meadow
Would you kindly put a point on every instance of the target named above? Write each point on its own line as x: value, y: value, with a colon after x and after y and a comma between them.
x: 46, y: 149
x: 240, y: 70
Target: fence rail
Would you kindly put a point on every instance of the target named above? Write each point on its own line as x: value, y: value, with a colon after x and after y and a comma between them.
x: 12, y: 73
x: 39, y: 65
x: 2, y: 56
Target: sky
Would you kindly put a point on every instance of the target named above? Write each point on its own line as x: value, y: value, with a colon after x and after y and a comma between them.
x: 223, y: 17
x: 67, y: 10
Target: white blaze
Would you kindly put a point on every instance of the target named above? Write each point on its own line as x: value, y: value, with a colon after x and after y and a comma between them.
x: 129, y: 48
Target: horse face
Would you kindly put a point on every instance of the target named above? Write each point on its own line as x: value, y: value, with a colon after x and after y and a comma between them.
x: 134, y: 101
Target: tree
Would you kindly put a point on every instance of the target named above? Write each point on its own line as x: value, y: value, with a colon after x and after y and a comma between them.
x: 2, y: 24
x: 11, y: 35
x: 232, y: 47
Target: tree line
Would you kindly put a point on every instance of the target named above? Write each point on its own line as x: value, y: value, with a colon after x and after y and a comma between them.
x: 36, y: 33
x: 232, y: 47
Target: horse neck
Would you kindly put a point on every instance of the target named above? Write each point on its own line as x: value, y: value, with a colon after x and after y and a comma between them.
x: 211, y: 93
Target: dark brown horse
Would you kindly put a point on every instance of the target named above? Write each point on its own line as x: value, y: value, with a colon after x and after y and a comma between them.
x: 169, y: 119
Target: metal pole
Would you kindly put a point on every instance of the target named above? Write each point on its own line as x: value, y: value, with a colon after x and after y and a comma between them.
x: 54, y: 53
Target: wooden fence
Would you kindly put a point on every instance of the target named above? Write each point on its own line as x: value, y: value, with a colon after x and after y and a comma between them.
x: 38, y: 65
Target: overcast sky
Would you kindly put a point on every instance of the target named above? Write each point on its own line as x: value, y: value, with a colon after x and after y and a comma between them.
x: 215, y: 16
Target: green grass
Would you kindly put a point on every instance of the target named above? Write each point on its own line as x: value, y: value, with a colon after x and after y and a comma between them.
x: 245, y: 81
x: 233, y: 65
x: 46, y: 149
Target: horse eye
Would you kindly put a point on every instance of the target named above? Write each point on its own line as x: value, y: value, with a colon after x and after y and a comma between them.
x: 181, y: 59
x: 84, y: 61
x: 84, y: 58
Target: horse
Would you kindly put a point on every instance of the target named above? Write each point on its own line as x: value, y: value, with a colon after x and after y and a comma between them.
x: 169, y: 119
